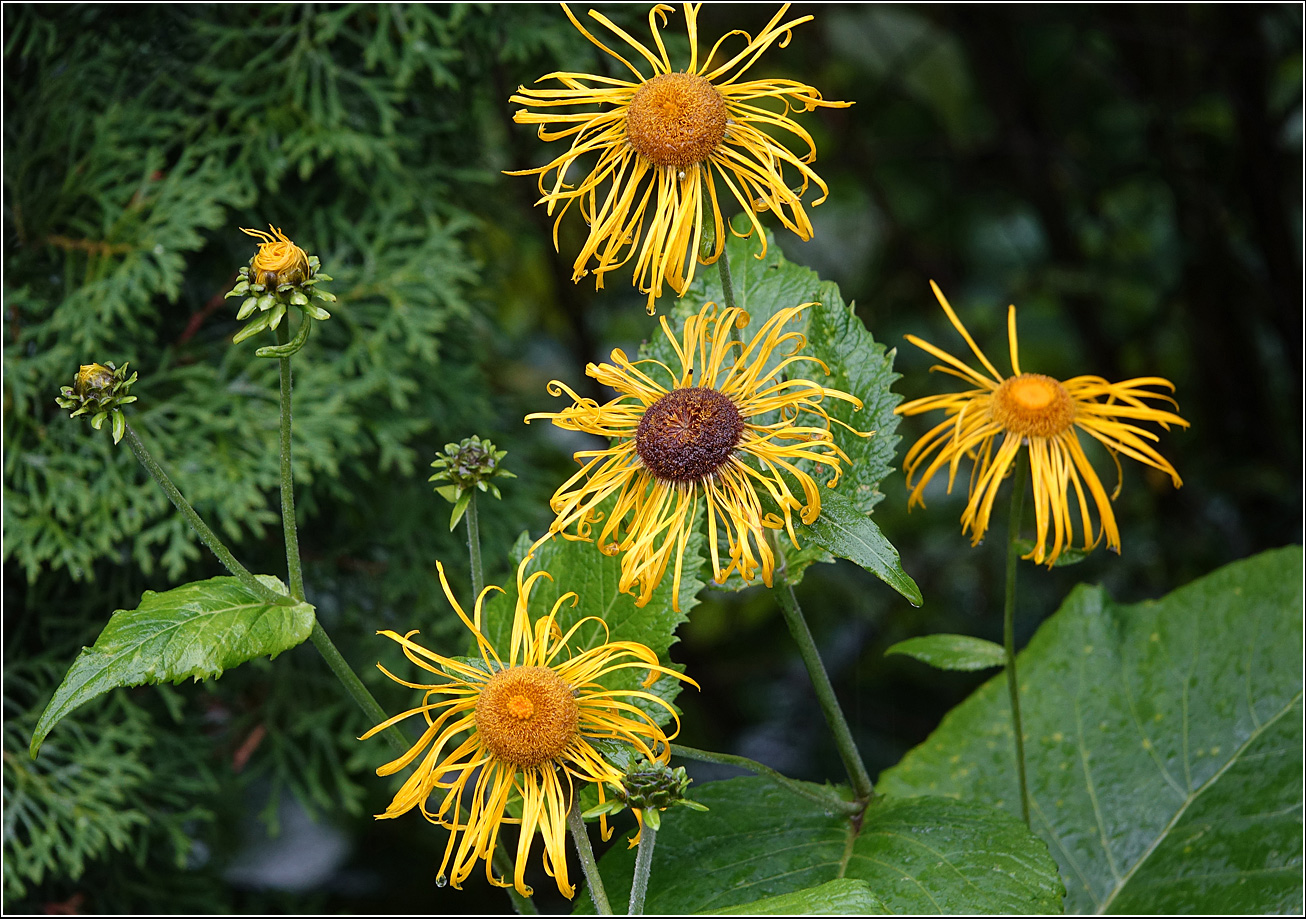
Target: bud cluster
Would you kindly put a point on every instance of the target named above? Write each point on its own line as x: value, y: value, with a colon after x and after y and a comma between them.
x: 472, y: 463
x: 648, y: 788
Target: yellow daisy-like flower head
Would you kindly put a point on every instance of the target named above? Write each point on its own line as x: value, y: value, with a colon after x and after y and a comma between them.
x: 663, y: 141
x: 278, y: 261
x: 1045, y: 415
x: 521, y: 725
x: 674, y: 446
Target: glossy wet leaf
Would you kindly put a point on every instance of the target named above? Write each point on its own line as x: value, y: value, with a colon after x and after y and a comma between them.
x: 917, y: 855
x: 952, y: 652
x: 846, y: 531
x: 843, y: 897
x: 1163, y: 744
x: 197, y: 630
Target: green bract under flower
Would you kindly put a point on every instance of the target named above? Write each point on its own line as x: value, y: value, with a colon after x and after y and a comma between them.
x: 99, y: 390
x: 279, y: 276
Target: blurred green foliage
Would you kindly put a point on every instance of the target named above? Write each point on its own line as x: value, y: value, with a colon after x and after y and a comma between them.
x: 1128, y: 176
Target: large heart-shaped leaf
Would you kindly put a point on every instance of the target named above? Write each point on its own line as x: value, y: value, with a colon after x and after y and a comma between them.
x: 197, y: 630
x: 1163, y: 742
x: 917, y: 855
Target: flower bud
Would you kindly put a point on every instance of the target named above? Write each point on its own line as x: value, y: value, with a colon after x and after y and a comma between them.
x: 279, y: 276
x: 472, y: 463
x: 99, y: 390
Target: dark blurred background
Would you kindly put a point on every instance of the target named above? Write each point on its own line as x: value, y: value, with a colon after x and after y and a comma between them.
x: 1129, y: 176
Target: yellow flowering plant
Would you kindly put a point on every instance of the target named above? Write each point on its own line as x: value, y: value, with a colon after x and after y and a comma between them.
x: 659, y: 503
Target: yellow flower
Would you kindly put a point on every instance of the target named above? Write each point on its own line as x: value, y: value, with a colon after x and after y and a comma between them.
x: 1042, y: 413
x: 521, y: 726
x: 673, y: 134
x: 674, y: 446
x: 279, y: 261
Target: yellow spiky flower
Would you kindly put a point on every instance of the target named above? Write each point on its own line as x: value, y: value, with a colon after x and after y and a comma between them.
x: 663, y: 141
x: 692, y: 440
x: 521, y: 725
x: 1043, y: 414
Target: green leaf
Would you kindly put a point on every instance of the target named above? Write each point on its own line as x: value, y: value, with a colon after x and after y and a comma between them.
x: 459, y: 508
x: 837, y: 337
x: 917, y: 855
x: 846, y: 531
x: 842, y: 897
x: 1163, y: 743
x: 253, y: 327
x: 952, y: 652
x: 581, y: 568
x: 119, y: 425
x: 1069, y: 555
x: 197, y: 630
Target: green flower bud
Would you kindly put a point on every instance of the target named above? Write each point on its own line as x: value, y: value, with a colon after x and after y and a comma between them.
x: 470, y: 464
x: 99, y: 390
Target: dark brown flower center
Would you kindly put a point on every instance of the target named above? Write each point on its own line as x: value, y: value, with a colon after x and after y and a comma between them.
x: 1033, y: 405
x: 527, y: 716
x: 688, y: 434
x: 676, y: 119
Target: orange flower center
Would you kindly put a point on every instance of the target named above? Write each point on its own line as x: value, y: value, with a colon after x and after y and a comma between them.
x: 688, y: 434
x: 1033, y: 405
x: 527, y: 716
x: 676, y: 119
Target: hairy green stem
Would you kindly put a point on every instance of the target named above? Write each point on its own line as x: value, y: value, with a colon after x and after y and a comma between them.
x: 591, y: 868
x: 828, y: 800
x: 293, y: 567
x: 648, y: 838
x: 1019, y: 479
x: 727, y: 285
x: 354, y: 686
x: 474, y: 548
x: 843, y: 737
x: 207, y: 536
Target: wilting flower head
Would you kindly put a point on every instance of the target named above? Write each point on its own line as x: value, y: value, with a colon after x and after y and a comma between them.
x: 280, y: 275
x: 661, y: 144
x: 679, y: 444
x: 520, y: 725
x: 1041, y: 413
x: 99, y: 390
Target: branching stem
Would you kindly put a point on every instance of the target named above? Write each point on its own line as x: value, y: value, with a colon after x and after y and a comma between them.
x: 828, y: 800
x: 843, y: 737
x: 207, y: 536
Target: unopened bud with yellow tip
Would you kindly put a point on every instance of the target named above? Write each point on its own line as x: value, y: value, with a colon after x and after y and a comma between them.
x: 99, y: 390
x: 279, y: 276
x: 648, y: 788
